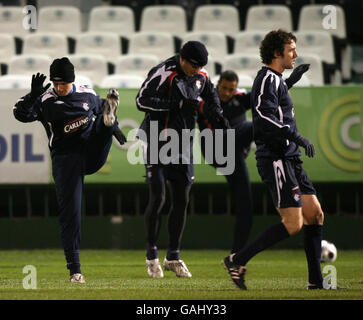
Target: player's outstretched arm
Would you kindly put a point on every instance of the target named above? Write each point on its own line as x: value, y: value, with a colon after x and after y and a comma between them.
x: 26, y: 108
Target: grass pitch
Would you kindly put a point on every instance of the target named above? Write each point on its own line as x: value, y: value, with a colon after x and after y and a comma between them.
x: 121, y: 275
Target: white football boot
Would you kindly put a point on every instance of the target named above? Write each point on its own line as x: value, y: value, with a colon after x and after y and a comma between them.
x: 154, y: 269
x: 109, y: 113
x: 178, y: 266
x: 77, y: 278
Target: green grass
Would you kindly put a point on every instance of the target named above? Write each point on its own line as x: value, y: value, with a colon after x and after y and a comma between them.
x: 121, y: 275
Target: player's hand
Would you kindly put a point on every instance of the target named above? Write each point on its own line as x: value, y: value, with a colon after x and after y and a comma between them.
x: 37, y: 88
x: 307, y: 145
x: 297, y: 74
x: 222, y: 121
x: 119, y: 136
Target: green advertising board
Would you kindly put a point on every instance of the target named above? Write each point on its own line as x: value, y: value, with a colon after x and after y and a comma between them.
x: 330, y: 117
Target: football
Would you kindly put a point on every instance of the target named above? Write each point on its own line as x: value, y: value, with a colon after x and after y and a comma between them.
x: 329, y: 252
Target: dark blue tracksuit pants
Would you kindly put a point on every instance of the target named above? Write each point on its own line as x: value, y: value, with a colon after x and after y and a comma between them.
x: 69, y: 169
x: 240, y: 186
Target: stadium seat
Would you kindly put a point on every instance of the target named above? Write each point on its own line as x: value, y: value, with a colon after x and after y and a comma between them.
x: 223, y: 18
x: 83, y: 80
x: 118, y: 19
x: 164, y: 18
x: 7, y: 47
x: 215, y: 41
x: 64, y: 19
x: 269, y: 17
x: 313, y: 18
x: 54, y: 45
x: 15, y: 81
x: 241, y: 63
x: 11, y: 21
x: 248, y: 41
x: 136, y: 64
x: 106, y: 44
x: 28, y: 64
x: 321, y: 44
x: 245, y: 80
x: 122, y: 81
x: 160, y: 44
x: 93, y: 66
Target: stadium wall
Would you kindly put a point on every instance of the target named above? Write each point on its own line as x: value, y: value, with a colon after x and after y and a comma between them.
x: 201, y: 232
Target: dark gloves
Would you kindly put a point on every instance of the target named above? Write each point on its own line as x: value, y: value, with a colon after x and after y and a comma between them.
x: 37, y: 88
x: 307, y: 145
x: 222, y: 122
x: 119, y: 136
x: 297, y: 74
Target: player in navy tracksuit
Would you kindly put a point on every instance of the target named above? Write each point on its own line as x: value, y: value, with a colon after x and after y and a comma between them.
x: 170, y: 97
x: 235, y: 102
x: 79, y: 125
x: 279, y: 165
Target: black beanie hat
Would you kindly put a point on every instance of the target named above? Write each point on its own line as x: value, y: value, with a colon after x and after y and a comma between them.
x: 62, y: 70
x: 195, y: 52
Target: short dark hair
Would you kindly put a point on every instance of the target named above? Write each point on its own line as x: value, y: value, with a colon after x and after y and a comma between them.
x: 229, y: 75
x: 274, y: 41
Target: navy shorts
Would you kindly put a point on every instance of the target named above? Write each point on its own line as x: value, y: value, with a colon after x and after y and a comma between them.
x: 286, y: 180
x: 159, y: 173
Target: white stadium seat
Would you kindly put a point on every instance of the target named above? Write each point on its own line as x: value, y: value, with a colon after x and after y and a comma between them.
x: 11, y: 21
x: 136, y: 64
x: 248, y: 41
x: 119, y: 19
x: 243, y: 64
x: 269, y: 17
x: 28, y: 64
x: 83, y: 80
x: 223, y: 18
x: 64, y: 19
x: 122, y: 81
x: 244, y: 80
x: 160, y: 44
x: 93, y: 66
x: 7, y: 47
x: 316, y: 42
x: 312, y: 19
x: 54, y: 45
x: 15, y: 81
x: 319, y: 43
x: 106, y: 44
x: 216, y: 42
x: 169, y: 18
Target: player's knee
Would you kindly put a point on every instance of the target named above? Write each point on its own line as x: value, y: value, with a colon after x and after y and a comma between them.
x: 319, y: 217
x: 293, y: 226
